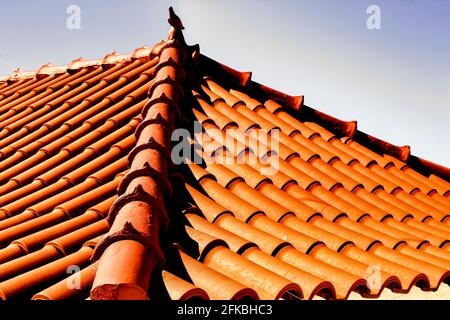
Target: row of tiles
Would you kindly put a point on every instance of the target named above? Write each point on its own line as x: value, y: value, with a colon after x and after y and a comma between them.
x: 19, y: 76
x: 309, y: 230
x: 310, y: 260
x: 131, y: 251
x: 64, y: 148
x: 329, y: 170
x: 47, y: 153
x: 278, y: 266
x: 264, y: 259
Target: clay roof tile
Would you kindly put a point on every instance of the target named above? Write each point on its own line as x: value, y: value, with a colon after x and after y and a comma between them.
x: 81, y: 280
x: 235, y: 242
x: 210, y: 209
x: 205, y: 241
x: 216, y: 284
x: 268, y: 284
x: 180, y: 289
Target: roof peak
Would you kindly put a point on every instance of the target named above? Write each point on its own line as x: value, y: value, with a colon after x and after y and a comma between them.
x: 176, y: 27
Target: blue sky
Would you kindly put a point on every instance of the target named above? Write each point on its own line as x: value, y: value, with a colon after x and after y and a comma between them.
x: 394, y: 81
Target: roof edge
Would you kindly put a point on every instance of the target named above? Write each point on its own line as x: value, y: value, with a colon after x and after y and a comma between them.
x: 215, y: 69
x: 212, y: 68
x: 339, y: 127
x: 383, y: 147
x: 243, y: 80
x: 78, y: 63
x: 427, y: 167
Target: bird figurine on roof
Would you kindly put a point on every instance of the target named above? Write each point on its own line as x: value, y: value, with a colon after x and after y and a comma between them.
x: 175, y: 32
x: 175, y: 20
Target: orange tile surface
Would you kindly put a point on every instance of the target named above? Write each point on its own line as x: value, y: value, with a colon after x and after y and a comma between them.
x: 92, y: 205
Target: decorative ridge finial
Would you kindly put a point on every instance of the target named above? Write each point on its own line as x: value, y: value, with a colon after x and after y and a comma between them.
x: 175, y: 32
x: 175, y: 20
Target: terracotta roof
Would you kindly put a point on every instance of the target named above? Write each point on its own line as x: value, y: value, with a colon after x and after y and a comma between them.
x: 286, y: 203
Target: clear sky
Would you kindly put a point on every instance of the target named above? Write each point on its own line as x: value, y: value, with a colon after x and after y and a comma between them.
x: 395, y: 81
